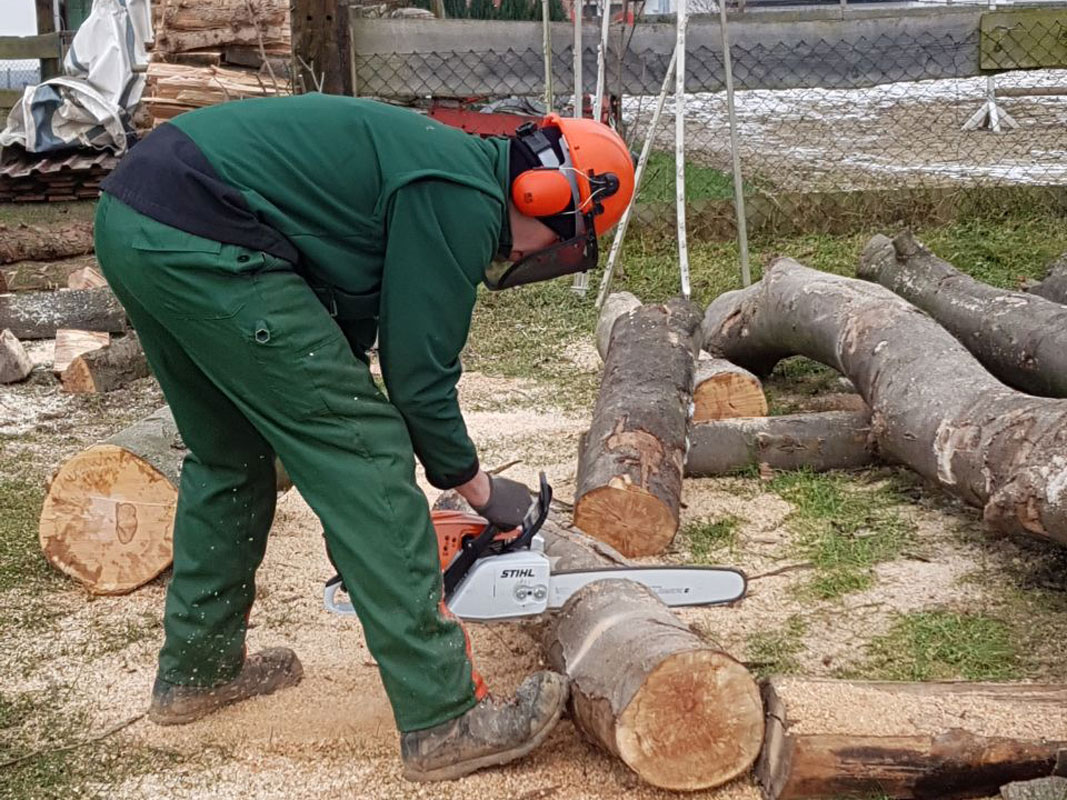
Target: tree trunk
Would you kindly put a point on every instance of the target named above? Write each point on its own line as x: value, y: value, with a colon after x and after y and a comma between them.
x: 1020, y: 338
x: 38, y: 315
x: 630, y: 473
x: 15, y: 365
x: 29, y: 276
x: 934, y: 407
x: 615, y: 306
x: 819, y: 441
x: 909, y: 740
x: 109, y: 512
x: 1054, y: 285
x: 107, y: 369
x: 675, y: 709
x: 722, y: 390
x: 26, y: 243
x: 71, y: 343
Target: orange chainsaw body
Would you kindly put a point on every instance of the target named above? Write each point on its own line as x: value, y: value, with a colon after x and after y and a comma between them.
x: 453, y: 527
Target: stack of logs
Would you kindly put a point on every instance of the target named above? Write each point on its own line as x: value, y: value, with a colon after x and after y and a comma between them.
x: 211, y: 51
x: 50, y: 289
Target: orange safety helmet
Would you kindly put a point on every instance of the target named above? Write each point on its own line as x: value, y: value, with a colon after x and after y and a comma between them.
x: 592, y: 183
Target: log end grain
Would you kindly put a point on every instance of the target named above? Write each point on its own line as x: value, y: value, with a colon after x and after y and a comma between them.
x: 695, y: 723
x: 729, y: 395
x: 631, y: 519
x: 107, y: 520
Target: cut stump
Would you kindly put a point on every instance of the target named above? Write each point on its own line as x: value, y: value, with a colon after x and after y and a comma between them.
x: 71, y: 343
x: 107, y: 369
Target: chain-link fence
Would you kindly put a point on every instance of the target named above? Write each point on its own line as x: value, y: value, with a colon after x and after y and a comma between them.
x: 17, y: 74
x: 942, y: 113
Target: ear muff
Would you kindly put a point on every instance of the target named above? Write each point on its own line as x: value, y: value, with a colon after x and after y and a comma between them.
x: 541, y: 192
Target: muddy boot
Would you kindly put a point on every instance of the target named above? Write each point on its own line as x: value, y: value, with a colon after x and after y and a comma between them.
x: 487, y: 735
x: 263, y: 673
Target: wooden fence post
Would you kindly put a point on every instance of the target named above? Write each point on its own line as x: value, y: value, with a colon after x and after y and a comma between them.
x: 46, y: 23
x: 322, y: 46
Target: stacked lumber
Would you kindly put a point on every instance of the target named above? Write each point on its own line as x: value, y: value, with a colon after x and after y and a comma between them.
x: 172, y: 89
x: 218, y: 27
x: 30, y: 178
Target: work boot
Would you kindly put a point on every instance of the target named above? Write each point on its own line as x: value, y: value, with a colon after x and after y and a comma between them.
x: 488, y: 735
x: 263, y: 673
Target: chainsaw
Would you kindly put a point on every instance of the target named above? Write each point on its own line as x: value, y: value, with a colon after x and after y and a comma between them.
x: 491, y: 574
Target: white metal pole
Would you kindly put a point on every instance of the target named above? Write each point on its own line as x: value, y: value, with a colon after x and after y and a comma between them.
x: 679, y: 146
x: 602, y: 58
x: 639, y: 173
x: 546, y: 44
x: 581, y: 279
x: 739, y: 189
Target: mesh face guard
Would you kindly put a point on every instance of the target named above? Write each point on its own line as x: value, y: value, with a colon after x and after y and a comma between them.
x: 577, y: 254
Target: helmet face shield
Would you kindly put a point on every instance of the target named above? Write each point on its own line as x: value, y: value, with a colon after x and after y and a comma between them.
x: 563, y: 258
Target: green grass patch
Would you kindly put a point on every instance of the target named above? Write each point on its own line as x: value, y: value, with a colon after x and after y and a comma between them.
x: 708, y: 538
x: 775, y: 652
x: 21, y: 562
x: 46, y: 213
x: 844, y: 527
x: 942, y: 645
x: 701, y: 183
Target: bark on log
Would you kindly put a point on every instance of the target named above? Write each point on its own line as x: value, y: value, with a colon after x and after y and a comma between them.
x: 109, y: 511
x: 935, y: 408
x: 1050, y: 788
x: 1020, y: 338
x: 615, y: 306
x: 630, y: 472
x: 15, y: 365
x: 819, y: 441
x: 38, y: 315
x: 909, y: 740
x: 1054, y: 285
x: 30, y: 276
x: 71, y: 343
x: 199, y: 24
x: 722, y: 390
x: 107, y: 369
x: 674, y: 708
x: 30, y: 243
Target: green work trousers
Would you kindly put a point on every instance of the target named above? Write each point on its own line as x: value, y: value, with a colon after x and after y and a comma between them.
x: 252, y: 364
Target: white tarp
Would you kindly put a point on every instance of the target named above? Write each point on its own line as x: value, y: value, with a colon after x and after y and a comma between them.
x: 89, y: 106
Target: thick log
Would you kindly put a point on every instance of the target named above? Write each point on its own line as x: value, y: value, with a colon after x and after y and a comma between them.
x: 673, y: 707
x: 38, y: 315
x: 15, y: 365
x: 108, y: 515
x: 1051, y: 788
x: 71, y: 343
x: 1054, y: 285
x: 30, y: 276
x: 29, y: 243
x: 1020, y: 338
x: 107, y: 369
x: 909, y: 740
x: 615, y: 306
x: 818, y: 441
x: 722, y: 390
x: 630, y: 471
x: 935, y: 408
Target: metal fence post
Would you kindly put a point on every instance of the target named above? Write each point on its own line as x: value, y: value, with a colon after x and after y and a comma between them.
x: 546, y: 46
x: 739, y: 187
x: 679, y: 147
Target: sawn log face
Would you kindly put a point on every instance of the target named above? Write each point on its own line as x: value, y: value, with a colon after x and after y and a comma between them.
x: 935, y: 408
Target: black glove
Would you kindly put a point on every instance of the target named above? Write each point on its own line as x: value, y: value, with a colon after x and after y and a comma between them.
x: 508, y: 503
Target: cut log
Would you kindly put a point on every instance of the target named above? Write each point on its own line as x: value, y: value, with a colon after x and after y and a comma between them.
x: 630, y: 472
x: 722, y: 390
x: 200, y: 24
x: 39, y: 315
x: 109, y: 511
x: 172, y: 89
x: 818, y: 441
x: 71, y: 343
x: 1050, y: 788
x: 1020, y: 338
x: 15, y: 365
x: 909, y: 740
x: 935, y: 408
x: 108, y: 369
x: 30, y: 276
x: 674, y: 708
x: 86, y: 278
x: 615, y: 306
x: 1054, y: 285
x: 30, y: 243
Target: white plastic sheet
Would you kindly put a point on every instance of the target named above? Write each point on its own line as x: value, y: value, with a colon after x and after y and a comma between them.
x: 88, y: 107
